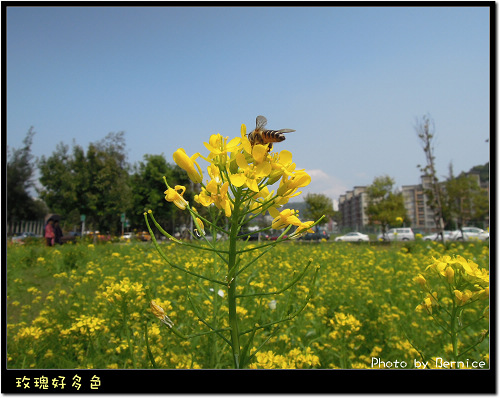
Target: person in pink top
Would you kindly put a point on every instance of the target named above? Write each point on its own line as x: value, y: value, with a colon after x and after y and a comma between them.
x: 49, y: 232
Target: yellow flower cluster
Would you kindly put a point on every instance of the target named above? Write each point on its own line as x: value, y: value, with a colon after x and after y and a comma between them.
x: 344, y: 325
x: 33, y: 332
x: 237, y: 168
x: 124, y: 289
x: 295, y: 359
x: 431, y: 300
x: 87, y: 326
x: 354, y: 280
x: 467, y: 281
x: 469, y: 270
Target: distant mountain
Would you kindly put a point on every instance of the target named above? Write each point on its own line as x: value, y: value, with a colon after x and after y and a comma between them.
x: 484, y: 172
x: 300, y: 206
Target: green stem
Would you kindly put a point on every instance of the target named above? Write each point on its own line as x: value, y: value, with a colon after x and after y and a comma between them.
x: 150, y: 354
x: 231, y: 292
x: 473, y: 345
x: 253, y: 260
x: 164, y: 256
x: 127, y: 331
x: 187, y: 244
x: 453, y: 331
x: 213, y: 342
x: 286, y: 287
x: 198, y: 314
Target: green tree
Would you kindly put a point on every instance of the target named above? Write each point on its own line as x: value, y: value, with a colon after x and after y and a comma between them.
x: 148, y: 187
x: 146, y: 182
x: 484, y: 172
x: 20, y: 170
x: 58, y: 180
x: 465, y: 201
x: 318, y: 205
x: 109, y: 181
x: 481, y: 206
x: 94, y: 183
x: 385, y: 205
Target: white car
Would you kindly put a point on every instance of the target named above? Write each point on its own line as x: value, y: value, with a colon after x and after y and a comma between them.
x: 353, y: 237
x: 470, y: 233
x: 447, y: 236
x: 19, y: 238
x: 127, y: 236
x: 397, y: 234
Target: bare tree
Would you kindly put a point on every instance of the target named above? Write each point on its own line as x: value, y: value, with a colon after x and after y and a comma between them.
x: 425, y: 132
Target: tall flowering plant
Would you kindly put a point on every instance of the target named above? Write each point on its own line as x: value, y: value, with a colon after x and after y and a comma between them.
x: 238, y: 187
x: 456, y: 296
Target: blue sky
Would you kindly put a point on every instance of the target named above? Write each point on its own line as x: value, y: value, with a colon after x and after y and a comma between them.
x: 350, y: 80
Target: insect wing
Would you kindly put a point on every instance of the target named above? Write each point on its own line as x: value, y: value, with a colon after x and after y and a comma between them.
x: 260, y: 122
x: 286, y: 131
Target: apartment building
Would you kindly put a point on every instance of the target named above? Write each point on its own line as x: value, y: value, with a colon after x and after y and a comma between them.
x: 352, y: 206
x: 415, y: 200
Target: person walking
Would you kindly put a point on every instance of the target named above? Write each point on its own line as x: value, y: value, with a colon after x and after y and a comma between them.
x: 49, y: 232
x: 58, y: 233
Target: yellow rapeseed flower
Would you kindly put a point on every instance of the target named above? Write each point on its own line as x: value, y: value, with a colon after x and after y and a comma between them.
x: 289, y: 185
x: 188, y: 164
x: 284, y: 218
x: 160, y: 314
x: 420, y: 280
x: 462, y: 297
x: 219, y: 147
x: 249, y: 174
x: 173, y: 195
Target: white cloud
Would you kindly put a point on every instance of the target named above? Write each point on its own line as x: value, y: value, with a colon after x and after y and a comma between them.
x: 323, y: 183
x: 318, y: 174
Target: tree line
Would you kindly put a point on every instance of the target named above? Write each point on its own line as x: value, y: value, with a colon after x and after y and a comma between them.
x: 100, y: 184
x: 97, y: 182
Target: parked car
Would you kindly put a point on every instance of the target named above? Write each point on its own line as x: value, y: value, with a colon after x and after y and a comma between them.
x: 446, y: 234
x: 218, y: 236
x: 397, y: 234
x: 21, y: 237
x: 127, y: 236
x: 470, y: 233
x: 353, y: 237
x: 143, y: 236
x: 275, y: 236
x: 317, y: 235
x: 244, y: 235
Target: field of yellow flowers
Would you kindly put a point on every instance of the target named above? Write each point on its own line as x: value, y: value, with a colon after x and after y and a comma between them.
x: 84, y: 306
